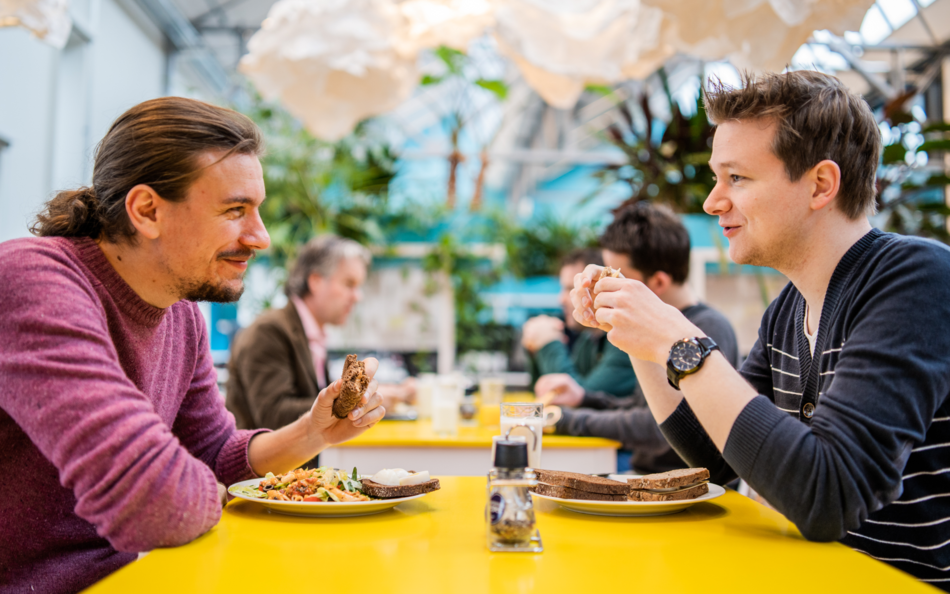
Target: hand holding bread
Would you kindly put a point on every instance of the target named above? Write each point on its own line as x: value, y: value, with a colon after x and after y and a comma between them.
x: 354, y: 397
x: 582, y: 294
x: 636, y: 320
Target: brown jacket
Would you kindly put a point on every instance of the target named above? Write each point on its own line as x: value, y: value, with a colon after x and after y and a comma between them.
x: 271, y: 380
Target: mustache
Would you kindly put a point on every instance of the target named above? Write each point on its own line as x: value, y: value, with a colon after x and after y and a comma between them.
x: 237, y: 254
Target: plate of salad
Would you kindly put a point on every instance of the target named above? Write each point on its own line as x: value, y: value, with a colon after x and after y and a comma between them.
x: 324, y: 491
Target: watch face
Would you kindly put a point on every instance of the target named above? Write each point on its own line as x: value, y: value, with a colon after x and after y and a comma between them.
x: 686, y: 356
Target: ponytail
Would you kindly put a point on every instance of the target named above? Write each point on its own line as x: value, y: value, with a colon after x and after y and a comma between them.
x: 72, y: 213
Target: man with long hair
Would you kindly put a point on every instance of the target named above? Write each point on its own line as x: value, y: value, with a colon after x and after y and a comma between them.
x: 111, y: 423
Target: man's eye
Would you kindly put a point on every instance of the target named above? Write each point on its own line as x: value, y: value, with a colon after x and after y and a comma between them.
x: 736, y: 178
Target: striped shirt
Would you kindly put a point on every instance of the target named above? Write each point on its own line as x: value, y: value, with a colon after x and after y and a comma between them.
x: 852, y: 444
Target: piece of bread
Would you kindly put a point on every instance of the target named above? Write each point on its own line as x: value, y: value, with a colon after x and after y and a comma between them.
x: 674, y: 479
x: 374, y: 489
x: 355, y: 383
x: 607, y: 272
x: 581, y: 482
x: 562, y: 492
x: 688, y: 493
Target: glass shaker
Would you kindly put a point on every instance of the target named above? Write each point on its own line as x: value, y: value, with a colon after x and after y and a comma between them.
x: 510, y: 513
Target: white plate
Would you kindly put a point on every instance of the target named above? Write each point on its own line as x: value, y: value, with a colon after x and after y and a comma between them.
x: 326, y: 509
x: 632, y: 508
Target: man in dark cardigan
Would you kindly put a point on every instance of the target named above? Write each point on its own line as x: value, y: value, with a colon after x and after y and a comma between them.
x: 839, y: 415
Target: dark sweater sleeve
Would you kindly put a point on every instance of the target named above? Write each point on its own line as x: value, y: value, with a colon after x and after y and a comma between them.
x: 605, y: 401
x: 891, y: 376
x: 635, y: 428
x: 613, y: 372
x: 683, y: 430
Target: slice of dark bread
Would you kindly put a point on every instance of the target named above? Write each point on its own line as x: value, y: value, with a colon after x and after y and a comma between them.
x: 562, y: 492
x: 673, y: 479
x: 581, y: 482
x: 690, y: 493
x: 355, y: 382
x: 374, y: 489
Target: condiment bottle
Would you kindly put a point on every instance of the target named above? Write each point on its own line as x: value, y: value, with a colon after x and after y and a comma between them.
x: 509, y: 512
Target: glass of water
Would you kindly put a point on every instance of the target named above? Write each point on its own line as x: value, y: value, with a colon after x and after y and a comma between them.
x: 524, y: 418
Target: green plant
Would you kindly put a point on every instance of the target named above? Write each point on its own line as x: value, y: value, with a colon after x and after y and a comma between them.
x: 909, y: 196
x: 672, y: 169
x: 318, y: 187
x: 460, y: 68
x: 536, y: 249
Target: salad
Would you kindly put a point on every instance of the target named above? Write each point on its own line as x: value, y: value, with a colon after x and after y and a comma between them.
x: 303, y: 484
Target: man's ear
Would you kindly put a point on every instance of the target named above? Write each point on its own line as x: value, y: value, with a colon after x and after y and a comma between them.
x: 825, y: 178
x: 313, y: 281
x: 659, y: 282
x: 141, y: 204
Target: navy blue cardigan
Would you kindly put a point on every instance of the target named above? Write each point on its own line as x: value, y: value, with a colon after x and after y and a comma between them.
x: 853, y: 445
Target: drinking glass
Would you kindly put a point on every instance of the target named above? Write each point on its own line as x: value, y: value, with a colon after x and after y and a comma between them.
x: 491, y: 392
x: 524, y: 418
x: 425, y: 387
x: 446, y: 398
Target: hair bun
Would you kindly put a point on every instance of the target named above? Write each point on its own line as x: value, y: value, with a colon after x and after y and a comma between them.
x: 88, y: 197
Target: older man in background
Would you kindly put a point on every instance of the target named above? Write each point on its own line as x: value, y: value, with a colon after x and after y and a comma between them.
x: 279, y: 364
x: 558, y: 347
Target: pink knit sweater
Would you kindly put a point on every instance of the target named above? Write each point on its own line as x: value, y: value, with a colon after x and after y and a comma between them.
x: 112, y: 431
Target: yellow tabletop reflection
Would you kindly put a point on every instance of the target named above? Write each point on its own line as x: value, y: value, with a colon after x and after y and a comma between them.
x: 437, y: 544
x: 420, y: 434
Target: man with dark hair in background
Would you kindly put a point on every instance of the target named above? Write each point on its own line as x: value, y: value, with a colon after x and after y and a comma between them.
x: 110, y: 416
x: 278, y: 364
x: 649, y: 244
x: 557, y: 347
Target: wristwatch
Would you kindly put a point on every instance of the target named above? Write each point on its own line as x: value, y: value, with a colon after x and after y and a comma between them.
x: 687, y: 356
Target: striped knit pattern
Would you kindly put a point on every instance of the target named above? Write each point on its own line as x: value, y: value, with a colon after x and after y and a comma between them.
x: 854, y: 445
x: 913, y: 532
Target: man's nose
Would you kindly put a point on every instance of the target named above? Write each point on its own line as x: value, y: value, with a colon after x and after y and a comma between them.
x: 255, y: 235
x: 718, y: 201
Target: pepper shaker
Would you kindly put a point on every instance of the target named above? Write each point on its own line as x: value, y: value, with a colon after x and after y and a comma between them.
x: 509, y: 513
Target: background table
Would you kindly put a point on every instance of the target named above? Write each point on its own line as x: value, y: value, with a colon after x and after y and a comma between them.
x: 413, y: 445
x: 437, y: 544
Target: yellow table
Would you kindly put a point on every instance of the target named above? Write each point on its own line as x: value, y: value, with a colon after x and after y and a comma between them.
x: 413, y: 445
x: 437, y: 544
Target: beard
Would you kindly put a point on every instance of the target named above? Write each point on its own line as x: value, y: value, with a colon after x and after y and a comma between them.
x: 206, y: 290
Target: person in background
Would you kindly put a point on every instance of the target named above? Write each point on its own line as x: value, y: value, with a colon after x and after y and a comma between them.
x: 111, y: 422
x: 650, y: 245
x: 840, y: 415
x: 278, y: 364
x: 567, y: 348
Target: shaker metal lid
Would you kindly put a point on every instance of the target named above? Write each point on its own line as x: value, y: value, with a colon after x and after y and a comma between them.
x: 511, y: 454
